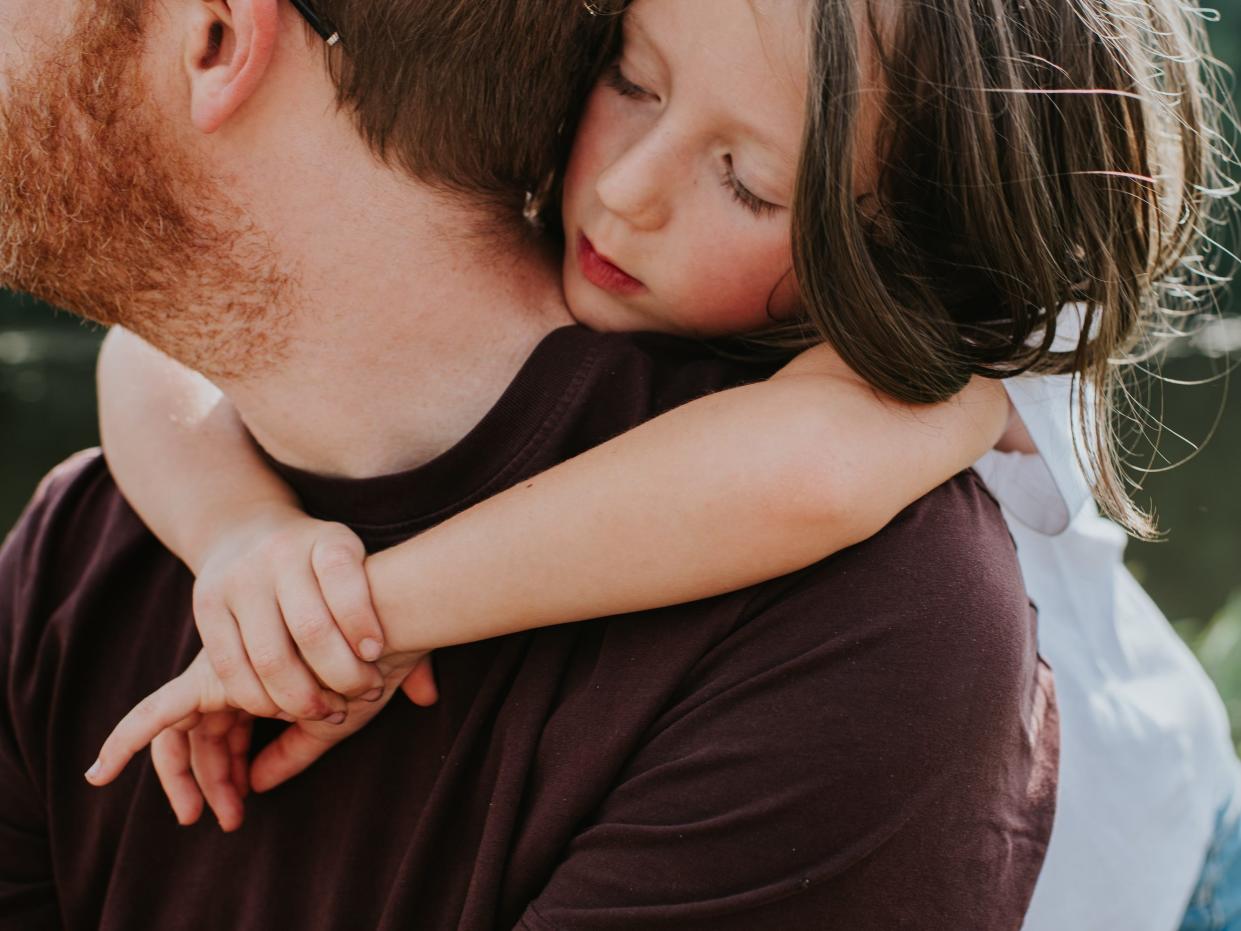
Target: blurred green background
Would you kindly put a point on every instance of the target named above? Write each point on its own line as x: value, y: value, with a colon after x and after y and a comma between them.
x: 47, y: 404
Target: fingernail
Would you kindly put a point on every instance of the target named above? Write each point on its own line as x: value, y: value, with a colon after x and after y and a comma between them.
x: 288, y: 718
x: 338, y: 718
x: 370, y: 649
x: 95, y: 770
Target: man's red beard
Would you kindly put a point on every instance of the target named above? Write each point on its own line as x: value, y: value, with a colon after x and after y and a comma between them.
x: 104, y: 215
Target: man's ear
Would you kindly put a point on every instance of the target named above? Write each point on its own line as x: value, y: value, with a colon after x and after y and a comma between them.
x: 228, y: 51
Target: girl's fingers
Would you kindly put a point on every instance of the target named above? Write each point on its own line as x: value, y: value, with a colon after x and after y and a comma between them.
x: 157, y: 712
x: 187, y: 724
x: 299, y: 746
x: 321, y: 642
x: 275, y: 659
x: 170, y: 753
x: 211, y: 762
x: 419, y: 686
x: 339, y: 563
x: 239, y: 751
x: 303, y: 743
x: 222, y: 642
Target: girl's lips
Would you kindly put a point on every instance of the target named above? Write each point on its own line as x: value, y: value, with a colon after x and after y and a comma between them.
x: 602, y: 273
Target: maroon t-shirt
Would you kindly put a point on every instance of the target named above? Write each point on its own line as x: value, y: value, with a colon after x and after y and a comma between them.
x: 869, y: 743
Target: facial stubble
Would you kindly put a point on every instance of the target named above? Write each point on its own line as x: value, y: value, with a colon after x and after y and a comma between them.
x: 104, y: 213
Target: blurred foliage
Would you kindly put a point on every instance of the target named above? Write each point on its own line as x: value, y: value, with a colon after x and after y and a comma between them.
x: 47, y: 395
x: 1197, y: 564
x: 1218, y: 646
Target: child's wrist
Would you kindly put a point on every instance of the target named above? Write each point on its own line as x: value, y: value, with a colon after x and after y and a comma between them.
x: 240, y: 523
x: 402, y: 598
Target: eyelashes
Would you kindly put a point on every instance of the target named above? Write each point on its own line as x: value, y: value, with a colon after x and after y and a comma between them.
x: 743, y: 195
x: 614, y: 78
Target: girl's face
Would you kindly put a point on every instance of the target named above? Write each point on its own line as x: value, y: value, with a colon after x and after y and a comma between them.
x: 677, y: 194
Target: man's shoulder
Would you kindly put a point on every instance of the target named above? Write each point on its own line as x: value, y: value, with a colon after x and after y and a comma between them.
x: 947, y: 562
x: 927, y: 625
x: 77, y: 492
x: 68, y: 479
x: 932, y: 611
x: 74, y: 520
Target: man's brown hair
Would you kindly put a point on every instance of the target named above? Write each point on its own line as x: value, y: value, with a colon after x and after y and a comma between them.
x: 478, y: 98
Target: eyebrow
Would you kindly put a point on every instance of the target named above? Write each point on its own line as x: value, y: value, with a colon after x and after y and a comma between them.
x: 632, y: 28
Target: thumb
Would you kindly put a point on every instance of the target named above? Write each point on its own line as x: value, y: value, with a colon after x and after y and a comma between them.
x: 291, y: 753
x: 419, y: 686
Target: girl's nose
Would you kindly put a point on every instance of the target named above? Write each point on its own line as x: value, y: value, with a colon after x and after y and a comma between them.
x: 636, y: 186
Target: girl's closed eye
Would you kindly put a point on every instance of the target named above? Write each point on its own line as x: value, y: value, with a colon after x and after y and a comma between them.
x: 615, y: 78
x: 743, y: 195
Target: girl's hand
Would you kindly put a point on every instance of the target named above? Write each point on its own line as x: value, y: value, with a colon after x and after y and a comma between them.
x: 199, y: 746
x: 200, y: 743
x: 305, y: 741
x: 283, y: 606
x: 206, y: 756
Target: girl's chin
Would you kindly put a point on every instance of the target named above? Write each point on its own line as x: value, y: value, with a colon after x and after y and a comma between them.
x: 606, y: 313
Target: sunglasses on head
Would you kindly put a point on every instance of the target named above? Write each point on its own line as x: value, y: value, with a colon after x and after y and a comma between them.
x: 317, y: 23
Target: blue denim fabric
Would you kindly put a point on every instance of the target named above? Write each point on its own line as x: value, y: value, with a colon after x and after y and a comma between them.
x: 1216, y: 903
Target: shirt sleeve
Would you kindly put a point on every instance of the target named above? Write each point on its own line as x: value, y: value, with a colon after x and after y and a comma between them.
x: 856, y: 755
x: 27, y: 888
x: 1045, y: 491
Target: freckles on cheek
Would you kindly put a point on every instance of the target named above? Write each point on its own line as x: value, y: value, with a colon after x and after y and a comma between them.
x: 594, y: 131
x: 576, y: 174
x: 578, y: 169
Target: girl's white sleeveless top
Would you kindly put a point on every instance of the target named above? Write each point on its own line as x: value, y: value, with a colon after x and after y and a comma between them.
x: 1146, y: 762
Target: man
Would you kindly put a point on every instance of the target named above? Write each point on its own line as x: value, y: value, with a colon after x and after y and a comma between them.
x: 868, y: 743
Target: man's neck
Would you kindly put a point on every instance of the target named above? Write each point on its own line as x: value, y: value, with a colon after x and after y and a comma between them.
x: 406, y: 330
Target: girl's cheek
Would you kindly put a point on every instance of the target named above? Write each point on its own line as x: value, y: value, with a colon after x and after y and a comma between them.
x: 717, y: 310
x: 787, y: 303
x: 742, y: 289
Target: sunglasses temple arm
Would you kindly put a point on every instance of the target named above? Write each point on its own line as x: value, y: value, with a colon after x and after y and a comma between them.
x: 328, y: 34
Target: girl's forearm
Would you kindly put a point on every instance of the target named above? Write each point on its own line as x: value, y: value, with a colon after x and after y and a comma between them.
x: 177, y: 449
x: 720, y: 494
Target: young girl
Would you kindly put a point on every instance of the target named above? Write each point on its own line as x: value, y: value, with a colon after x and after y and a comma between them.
x: 942, y: 213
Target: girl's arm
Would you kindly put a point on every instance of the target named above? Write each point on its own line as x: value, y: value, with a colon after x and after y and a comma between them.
x: 732, y: 489
x: 727, y: 491
x: 177, y: 450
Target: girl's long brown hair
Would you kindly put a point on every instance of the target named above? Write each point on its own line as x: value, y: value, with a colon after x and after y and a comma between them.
x: 1032, y: 155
